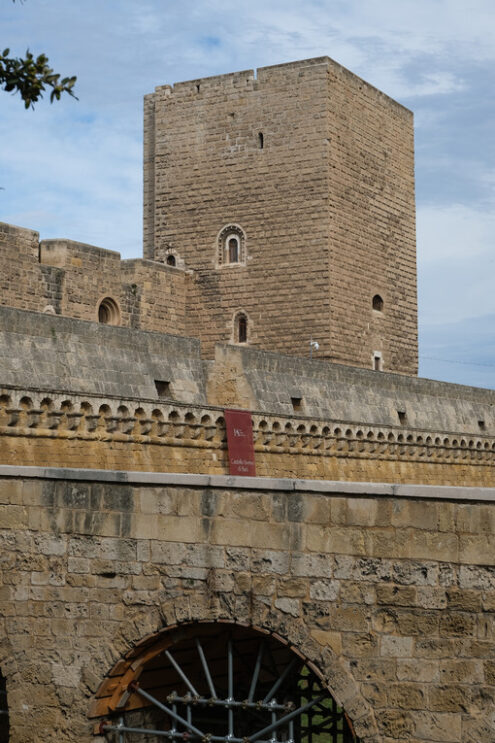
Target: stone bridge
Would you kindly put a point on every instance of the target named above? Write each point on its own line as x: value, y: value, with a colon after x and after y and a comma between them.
x: 386, y: 592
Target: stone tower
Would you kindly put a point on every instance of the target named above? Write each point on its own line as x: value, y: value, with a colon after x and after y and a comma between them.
x: 290, y: 195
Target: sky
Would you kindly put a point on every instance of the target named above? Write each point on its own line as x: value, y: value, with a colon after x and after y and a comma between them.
x: 73, y: 169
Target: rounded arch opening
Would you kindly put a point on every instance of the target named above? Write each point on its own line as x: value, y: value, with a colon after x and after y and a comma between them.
x: 219, y: 682
x: 108, y: 312
x: 241, y: 327
x: 231, y: 246
x: 377, y: 303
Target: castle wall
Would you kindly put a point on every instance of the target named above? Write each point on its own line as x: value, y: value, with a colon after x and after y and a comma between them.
x: 67, y: 278
x: 391, y: 597
x: 160, y: 293
x: 260, y: 380
x: 64, y: 429
x: 79, y: 394
x: 43, y: 352
x: 23, y: 283
x: 209, y: 172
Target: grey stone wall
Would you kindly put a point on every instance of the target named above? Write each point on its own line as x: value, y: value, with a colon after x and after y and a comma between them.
x: 60, y: 353
x: 47, y: 352
x: 347, y: 393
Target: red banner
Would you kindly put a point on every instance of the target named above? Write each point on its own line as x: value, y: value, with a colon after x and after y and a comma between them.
x: 240, y: 445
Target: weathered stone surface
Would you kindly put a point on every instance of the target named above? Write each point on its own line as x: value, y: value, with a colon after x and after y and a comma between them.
x: 406, y: 638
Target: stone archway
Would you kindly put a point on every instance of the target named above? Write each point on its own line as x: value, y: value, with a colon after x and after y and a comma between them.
x: 184, y: 671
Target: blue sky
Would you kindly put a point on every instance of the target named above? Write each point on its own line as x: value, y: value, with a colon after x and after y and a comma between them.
x: 74, y: 169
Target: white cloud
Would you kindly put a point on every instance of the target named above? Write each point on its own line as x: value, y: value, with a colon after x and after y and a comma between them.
x: 456, y: 258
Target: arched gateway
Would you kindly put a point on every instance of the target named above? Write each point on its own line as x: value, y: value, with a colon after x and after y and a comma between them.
x: 222, y: 683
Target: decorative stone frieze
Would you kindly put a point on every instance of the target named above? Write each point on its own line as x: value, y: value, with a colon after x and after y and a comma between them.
x: 283, y: 444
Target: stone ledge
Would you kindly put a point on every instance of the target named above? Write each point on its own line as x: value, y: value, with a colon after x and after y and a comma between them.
x: 338, y: 487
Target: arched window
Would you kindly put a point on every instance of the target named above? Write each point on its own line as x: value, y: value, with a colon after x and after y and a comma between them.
x: 108, y: 312
x: 171, y: 260
x: 377, y: 303
x: 231, y: 246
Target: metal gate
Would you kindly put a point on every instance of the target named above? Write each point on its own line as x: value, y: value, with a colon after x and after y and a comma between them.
x: 229, y: 687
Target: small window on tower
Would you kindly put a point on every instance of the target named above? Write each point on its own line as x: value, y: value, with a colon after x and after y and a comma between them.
x: 260, y: 140
x: 377, y: 361
x: 378, y: 303
x: 231, y: 246
x: 241, y: 328
x: 171, y: 261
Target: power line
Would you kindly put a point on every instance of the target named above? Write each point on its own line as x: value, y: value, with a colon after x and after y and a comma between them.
x: 451, y: 361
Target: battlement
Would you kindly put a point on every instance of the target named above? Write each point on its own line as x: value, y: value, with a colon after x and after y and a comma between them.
x: 108, y: 397
x: 250, y: 80
x: 74, y: 279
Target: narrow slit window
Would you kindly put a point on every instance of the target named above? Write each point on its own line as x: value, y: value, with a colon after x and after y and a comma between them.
x: 260, y: 140
x: 377, y: 361
x: 242, y: 329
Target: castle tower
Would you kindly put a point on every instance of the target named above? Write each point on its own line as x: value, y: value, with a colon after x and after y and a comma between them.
x: 290, y: 195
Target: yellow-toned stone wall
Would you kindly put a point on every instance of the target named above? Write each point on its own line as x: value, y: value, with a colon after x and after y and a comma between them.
x: 392, y: 598
x: 166, y: 437
x: 63, y: 277
x: 23, y: 283
x: 372, y: 241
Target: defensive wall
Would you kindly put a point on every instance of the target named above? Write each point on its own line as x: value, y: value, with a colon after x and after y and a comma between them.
x: 83, y: 394
x: 63, y: 277
x: 388, y: 591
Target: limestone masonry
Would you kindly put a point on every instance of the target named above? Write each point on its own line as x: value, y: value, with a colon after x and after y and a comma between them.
x: 344, y: 595
x: 286, y: 199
